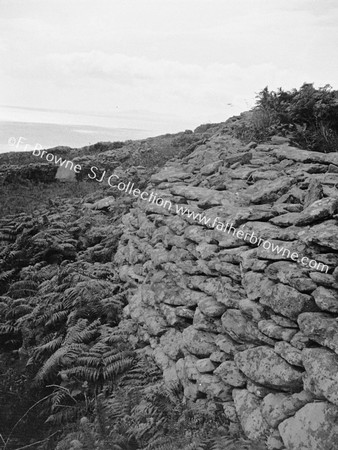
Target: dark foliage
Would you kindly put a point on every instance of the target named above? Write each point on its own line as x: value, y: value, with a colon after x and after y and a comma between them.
x: 307, y: 115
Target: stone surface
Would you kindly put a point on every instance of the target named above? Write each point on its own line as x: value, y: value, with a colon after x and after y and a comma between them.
x: 171, y: 343
x: 199, y: 343
x: 210, y: 307
x: 286, y: 300
x: 241, y: 329
x: 278, y: 407
x: 314, y: 193
x: 264, y: 366
x: 274, y: 331
x: 229, y: 374
x: 213, y: 387
x: 290, y: 353
x: 266, y: 191
x: 321, y: 328
x: 318, y: 210
x: 326, y: 299
x: 205, y: 365
x: 321, y: 376
x: 221, y: 312
x: 248, y: 409
x: 291, y: 274
x: 314, y: 427
x: 324, y: 234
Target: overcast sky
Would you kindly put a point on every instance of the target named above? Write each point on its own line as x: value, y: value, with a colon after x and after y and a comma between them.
x: 165, y: 64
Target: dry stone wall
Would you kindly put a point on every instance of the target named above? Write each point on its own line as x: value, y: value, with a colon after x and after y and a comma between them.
x: 237, y: 323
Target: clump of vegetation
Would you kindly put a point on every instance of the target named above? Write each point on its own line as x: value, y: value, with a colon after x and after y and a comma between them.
x: 29, y: 196
x: 309, y: 116
x: 71, y: 378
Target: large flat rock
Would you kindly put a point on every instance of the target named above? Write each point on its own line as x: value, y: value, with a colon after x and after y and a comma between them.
x: 304, y: 156
x: 314, y: 427
x: 321, y: 376
x: 321, y: 328
x: 264, y: 366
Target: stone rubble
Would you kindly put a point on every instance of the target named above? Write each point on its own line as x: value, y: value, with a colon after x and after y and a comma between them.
x: 234, y: 322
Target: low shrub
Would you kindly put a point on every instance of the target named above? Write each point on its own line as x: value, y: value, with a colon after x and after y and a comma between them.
x: 308, y: 115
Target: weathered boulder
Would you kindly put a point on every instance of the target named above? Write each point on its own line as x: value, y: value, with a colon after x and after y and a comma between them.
x: 229, y: 374
x: 211, y: 168
x: 290, y: 273
x: 242, y: 329
x: 324, y: 234
x: 205, y: 323
x: 264, y: 366
x: 169, y: 174
x: 268, y: 191
x: 314, y: 193
x: 213, y: 387
x: 171, y: 342
x: 274, y: 331
x: 314, y: 427
x: 199, y: 343
x: 205, y: 365
x: 210, y: 197
x: 248, y: 410
x: 286, y: 300
x: 304, y: 156
x: 321, y: 373
x: 252, y: 282
x: 319, y: 210
x: 210, y: 307
x: 321, y: 328
x: 290, y: 353
x: 278, y: 407
x: 326, y: 299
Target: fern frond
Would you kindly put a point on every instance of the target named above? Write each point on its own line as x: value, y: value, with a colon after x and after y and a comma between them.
x: 116, y: 368
x: 64, y: 355
x: 60, y: 395
x: 57, y: 317
x: 23, y: 288
x: 84, y: 373
x: 81, y: 332
x: 66, y: 415
x: 7, y: 275
x: 8, y: 329
x: 18, y: 311
x: 8, y: 234
x: 48, y: 347
x: 86, y: 292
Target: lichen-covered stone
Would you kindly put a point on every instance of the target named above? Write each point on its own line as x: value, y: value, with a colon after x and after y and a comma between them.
x: 241, y: 329
x: 205, y: 365
x: 314, y: 427
x: 321, y: 373
x: 210, y: 307
x: 248, y: 410
x: 290, y: 353
x: 264, y: 366
x: 326, y: 299
x: 271, y: 329
x: 278, y: 407
x: 321, y: 328
x: 199, y: 343
x: 213, y: 387
x: 287, y: 301
x: 229, y: 374
x: 171, y: 342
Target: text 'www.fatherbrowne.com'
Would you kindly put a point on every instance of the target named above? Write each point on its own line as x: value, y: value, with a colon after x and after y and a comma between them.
x: 154, y: 198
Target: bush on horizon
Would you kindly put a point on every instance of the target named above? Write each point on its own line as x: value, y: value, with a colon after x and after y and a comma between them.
x: 308, y: 115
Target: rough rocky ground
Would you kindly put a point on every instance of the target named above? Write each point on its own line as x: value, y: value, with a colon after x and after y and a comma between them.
x: 235, y: 323
x: 232, y: 321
